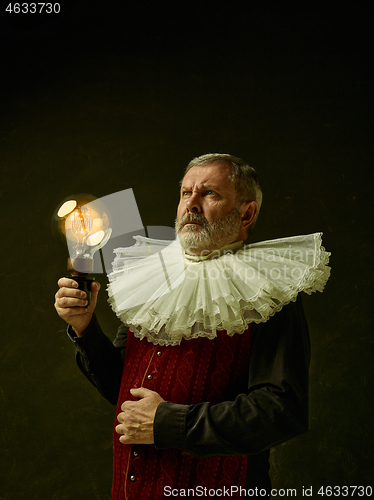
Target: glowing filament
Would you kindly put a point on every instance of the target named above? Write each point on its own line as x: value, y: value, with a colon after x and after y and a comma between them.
x: 81, y: 224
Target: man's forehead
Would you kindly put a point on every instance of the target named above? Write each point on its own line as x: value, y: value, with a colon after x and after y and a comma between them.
x: 208, y: 175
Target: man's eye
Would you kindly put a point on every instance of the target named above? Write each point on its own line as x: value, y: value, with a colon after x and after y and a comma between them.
x: 185, y: 194
x: 210, y: 192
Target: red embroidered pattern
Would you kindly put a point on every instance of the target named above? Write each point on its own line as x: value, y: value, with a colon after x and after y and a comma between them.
x: 197, y: 370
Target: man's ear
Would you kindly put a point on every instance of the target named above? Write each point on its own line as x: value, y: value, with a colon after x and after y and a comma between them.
x: 248, y: 213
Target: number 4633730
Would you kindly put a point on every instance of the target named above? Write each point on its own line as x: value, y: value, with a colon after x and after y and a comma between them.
x: 33, y: 8
x: 345, y: 491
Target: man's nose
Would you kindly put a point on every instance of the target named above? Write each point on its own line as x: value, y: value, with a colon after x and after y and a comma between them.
x: 193, y: 204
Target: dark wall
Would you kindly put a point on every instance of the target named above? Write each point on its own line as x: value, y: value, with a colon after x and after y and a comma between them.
x: 103, y: 98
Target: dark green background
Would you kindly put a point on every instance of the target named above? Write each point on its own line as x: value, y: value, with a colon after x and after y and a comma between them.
x: 106, y: 98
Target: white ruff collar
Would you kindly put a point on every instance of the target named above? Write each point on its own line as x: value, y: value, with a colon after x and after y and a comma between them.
x: 165, y: 295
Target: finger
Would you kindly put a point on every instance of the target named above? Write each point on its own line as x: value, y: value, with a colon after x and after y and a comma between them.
x: 67, y: 282
x: 141, y: 392
x: 70, y: 292
x: 120, y: 429
x: 95, y: 287
x: 121, y: 417
x: 69, y: 312
x: 127, y: 405
x: 68, y: 302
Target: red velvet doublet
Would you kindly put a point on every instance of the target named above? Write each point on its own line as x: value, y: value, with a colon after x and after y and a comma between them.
x: 195, y: 371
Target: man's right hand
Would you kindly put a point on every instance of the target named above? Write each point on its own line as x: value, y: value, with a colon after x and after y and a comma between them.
x: 70, y: 304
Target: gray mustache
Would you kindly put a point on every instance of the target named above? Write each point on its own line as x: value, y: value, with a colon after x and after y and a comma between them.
x: 190, y: 217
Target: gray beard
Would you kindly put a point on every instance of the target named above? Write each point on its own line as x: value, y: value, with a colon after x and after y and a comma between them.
x: 211, y: 236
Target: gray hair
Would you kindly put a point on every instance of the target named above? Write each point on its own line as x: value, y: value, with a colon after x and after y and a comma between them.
x: 244, y: 177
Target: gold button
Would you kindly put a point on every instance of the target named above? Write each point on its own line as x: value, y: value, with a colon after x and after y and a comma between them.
x: 149, y: 377
x: 135, y: 453
x: 159, y: 353
x: 132, y: 478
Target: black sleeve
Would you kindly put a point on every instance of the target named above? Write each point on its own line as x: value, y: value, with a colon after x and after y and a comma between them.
x: 99, y: 359
x: 274, y: 409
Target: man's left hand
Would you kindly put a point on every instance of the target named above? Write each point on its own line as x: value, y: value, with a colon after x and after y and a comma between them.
x: 136, y: 418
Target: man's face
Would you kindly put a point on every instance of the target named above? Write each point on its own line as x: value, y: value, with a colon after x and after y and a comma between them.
x: 207, y: 216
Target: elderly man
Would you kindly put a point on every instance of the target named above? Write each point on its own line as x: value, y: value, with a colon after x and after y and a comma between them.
x: 205, y: 393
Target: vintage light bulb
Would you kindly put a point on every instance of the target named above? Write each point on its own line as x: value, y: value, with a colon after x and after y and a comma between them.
x: 84, y: 223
